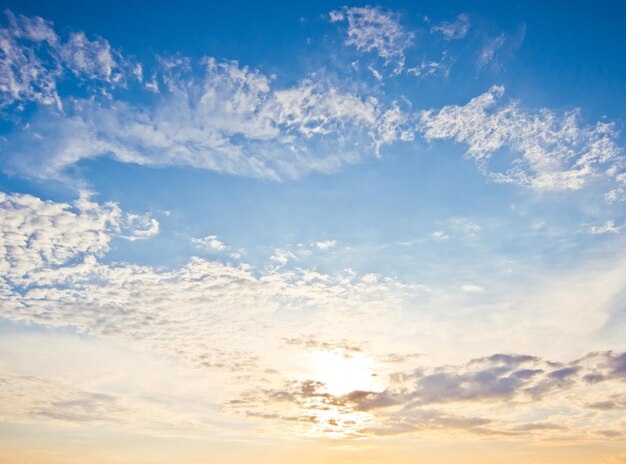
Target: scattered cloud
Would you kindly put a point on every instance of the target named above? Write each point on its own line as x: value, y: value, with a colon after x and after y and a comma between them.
x: 374, y: 29
x: 607, y: 228
x: 457, y: 29
x: 554, y: 152
x: 35, y: 58
x: 432, y: 68
x: 229, y: 121
x: 421, y: 400
x: 38, y: 235
x: 206, y: 315
x: 252, y: 325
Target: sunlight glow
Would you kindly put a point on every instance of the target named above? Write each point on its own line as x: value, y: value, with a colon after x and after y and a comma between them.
x: 343, y: 374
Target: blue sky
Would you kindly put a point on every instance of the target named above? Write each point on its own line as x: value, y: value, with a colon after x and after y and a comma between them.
x: 320, y: 199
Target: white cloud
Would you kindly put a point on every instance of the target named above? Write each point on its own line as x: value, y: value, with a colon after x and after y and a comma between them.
x: 38, y: 235
x: 312, y: 110
x: 213, y: 244
x: 23, y: 75
x: 453, y: 30
x: 90, y: 59
x: 229, y: 120
x: 210, y: 242
x: 34, y: 58
x: 439, y: 235
x: 373, y: 29
x: 607, y: 228
x: 326, y: 244
x: 375, y: 73
x: 431, y: 68
x: 52, y: 275
x: 207, y: 314
x: 555, y: 152
x: 282, y: 257
x: 140, y: 227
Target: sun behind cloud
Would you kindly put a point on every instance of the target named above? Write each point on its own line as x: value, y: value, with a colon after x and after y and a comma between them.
x: 344, y: 373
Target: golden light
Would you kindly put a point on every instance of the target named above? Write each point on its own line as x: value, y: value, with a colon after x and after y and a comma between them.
x: 343, y: 374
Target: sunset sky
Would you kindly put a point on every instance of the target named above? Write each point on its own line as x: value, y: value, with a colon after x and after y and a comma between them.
x: 313, y: 233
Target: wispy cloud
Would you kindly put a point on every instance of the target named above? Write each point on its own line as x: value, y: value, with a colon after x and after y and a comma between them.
x: 213, y: 244
x: 229, y: 120
x: 607, y: 228
x: 372, y: 29
x: 555, y: 152
x: 457, y: 29
x: 35, y: 58
x: 497, y: 50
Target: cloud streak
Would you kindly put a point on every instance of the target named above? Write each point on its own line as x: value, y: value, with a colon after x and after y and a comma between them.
x: 230, y: 120
x: 547, y: 151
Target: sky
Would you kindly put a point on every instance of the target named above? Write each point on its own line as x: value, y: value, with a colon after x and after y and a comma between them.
x: 312, y: 232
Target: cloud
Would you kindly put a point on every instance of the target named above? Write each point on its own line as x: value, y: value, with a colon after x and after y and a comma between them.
x: 227, y: 120
x: 282, y: 257
x: 607, y: 228
x: 547, y: 151
x: 611, y: 402
x: 500, y: 49
x: 453, y: 30
x: 432, y: 67
x: 326, y: 244
x: 213, y: 244
x: 489, y: 51
x: 439, y: 235
x: 34, y: 59
x: 210, y: 242
x: 206, y: 315
x: 90, y: 59
x: 373, y: 29
x: 311, y: 342
x: 435, y: 398
x: 52, y: 275
x: 39, y: 235
x: 35, y: 397
x: 140, y: 226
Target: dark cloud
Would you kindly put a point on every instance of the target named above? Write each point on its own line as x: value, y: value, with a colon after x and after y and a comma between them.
x: 406, y: 405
